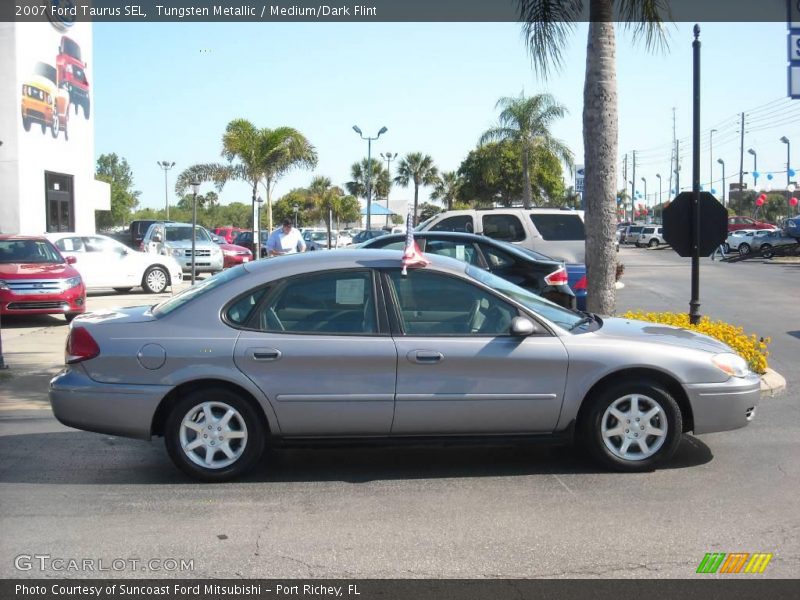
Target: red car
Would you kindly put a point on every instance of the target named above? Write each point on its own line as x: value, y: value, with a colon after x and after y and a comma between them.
x: 36, y: 280
x: 228, y: 233
x: 72, y: 74
x: 736, y: 223
x: 234, y: 255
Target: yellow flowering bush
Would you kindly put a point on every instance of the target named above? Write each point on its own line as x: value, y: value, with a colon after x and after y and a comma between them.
x: 750, y: 347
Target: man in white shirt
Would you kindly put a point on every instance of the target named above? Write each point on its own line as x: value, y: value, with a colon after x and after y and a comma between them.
x: 285, y: 240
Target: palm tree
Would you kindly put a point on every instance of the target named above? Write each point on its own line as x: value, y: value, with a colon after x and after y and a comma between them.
x: 380, y: 180
x: 419, y: 169
x: 256, y: 156
x: 325, y: 196
x: 546, y: 40
x: 526, y: 123
x: 447, y: 188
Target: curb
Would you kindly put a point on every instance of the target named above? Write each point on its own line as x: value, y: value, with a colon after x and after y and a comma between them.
x: 772, y: 383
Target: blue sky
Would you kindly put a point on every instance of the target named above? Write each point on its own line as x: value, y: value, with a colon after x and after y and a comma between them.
x: 166, y: 91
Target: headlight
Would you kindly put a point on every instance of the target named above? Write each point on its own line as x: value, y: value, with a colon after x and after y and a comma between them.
x: 71, y: 283
x: 732, y: 364
x: 176, y: 251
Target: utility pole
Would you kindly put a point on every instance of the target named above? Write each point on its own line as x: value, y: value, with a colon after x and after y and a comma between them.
x: 677, y: 167
x: 741, y: 162
x: 633, y: 186
x: 625, y: 186
x: 672, y: 152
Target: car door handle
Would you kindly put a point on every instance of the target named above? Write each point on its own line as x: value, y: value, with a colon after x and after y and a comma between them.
x: 425, y: 357
x: 266, y: 354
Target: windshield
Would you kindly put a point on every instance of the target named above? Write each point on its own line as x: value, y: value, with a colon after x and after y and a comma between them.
x: 552, y: 312
x: 70, y: 48
x: 184, y: 234
x: 28, y: 251
x: 180, y: 299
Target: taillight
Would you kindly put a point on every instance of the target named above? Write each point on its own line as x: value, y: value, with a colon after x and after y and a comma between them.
x: 80, y: 346
x: 557, y: 277
x: 581, y: 285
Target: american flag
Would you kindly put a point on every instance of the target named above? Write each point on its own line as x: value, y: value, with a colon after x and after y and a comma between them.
x: 412, y: 255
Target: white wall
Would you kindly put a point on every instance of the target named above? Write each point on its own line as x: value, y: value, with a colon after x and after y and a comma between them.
x: 9, y: 121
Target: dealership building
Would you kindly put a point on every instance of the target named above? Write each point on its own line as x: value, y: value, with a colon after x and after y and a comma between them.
x: 47, y: 156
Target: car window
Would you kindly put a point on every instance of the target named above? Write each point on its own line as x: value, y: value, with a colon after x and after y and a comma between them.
x: 458, y: 250
x: 98, y: 244
x: 341, y: 302
x: 462, y: 223
x: 496, y: 258
x: 28, y: 251
x: 398, y: 245
x: 240, y: 310
x: 648, y: 230
x: 200, y: 289
x: 559, y: 227
x: 503, y: 227
x: 70, y: 244
x: 434, y: 304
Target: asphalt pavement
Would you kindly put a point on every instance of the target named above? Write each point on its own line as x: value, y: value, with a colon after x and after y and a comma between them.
x: 440, y: 512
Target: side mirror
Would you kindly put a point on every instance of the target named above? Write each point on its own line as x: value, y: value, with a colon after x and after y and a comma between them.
x: 71, y: 260
x: 523, y: 327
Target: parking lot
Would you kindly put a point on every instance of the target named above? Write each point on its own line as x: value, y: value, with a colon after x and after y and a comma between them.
x: 444, y: 511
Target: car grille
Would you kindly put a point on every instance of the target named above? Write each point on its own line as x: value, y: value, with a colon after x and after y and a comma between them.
x: 197, y: 252
x: 37, y: 305
x: 35, y: 286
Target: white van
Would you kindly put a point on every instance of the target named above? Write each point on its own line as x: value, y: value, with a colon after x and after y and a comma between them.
x: 557, y: 233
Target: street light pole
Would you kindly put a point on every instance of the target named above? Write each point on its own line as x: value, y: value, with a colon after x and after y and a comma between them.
x: 389, y: 157
x: 722, y: 162
x: 195, y: 185
x: 785, y: 140
x: 755, y: 167
x: 711, y: 158
x: 166, y: 165
x: 369, y: 169
x: 658, y: 175
x: 645, y: 192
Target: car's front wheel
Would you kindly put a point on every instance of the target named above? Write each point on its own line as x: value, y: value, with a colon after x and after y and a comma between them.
x: 726, y: 247
x: 653, y: 243
x: 155, y: 280
x: 632, y: 426
x: 744, y: 248
x: 766, y: 251
x: 214, y: 435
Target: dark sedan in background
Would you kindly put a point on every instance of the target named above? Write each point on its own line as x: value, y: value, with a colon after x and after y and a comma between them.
x: 530, y: 270
x: 245, y: 240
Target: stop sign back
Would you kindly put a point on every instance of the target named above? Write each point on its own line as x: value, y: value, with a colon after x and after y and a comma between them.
x: 678, y: 224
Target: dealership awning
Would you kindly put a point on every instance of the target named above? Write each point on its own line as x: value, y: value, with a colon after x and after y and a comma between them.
x: 377, y: 209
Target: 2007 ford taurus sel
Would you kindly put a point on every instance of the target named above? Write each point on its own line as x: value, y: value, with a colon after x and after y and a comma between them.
x: 343, y: 345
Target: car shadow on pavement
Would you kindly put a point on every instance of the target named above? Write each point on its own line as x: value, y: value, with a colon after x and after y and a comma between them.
x: 27, y: 321
x: 80, y: 458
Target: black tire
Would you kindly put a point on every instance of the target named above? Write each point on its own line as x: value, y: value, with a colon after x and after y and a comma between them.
x: 649, y: 394
x: 249, y: 452
x: 123, y: 290
x: 744, y: 249
x: 86, y: 112
x: 726, y: 248
x: 75, y: 104
x: 153, y: 278
x: 26, y: 123
x: 70, y: 316
x: 653, y: 243
x: 44, y: 128
x: 767, y: 251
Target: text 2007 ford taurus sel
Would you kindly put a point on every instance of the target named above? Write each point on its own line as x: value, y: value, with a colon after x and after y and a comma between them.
x: 342, y: 345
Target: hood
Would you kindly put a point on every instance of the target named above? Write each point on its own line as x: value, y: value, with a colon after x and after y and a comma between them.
x: 627, y: 330
x: 37, y: 271
x: 233, y: 248
x: 187, y: 244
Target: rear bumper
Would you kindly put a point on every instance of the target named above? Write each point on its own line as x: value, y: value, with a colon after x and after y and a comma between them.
x: 724, y: 406
x: 117, y: 409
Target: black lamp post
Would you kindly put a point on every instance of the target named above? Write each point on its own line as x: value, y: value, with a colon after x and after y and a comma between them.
x: 722, y: 162
x: 166, y: 165
x: 369, y: 169
x: 388, y: 157
x: 658, y: 176
x: 195, y: 185
x: 755, y: 167
x: 785, y: 140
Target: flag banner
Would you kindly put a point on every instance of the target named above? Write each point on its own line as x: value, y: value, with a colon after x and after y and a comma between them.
x: 412, y: 255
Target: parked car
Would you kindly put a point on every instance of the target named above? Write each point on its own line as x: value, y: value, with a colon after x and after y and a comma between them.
x: 651, y: 235
x: 528, y: 269
x: 318, y: 240
x: 553, y: 232
x: 44, y: 103
x: 632, y: 233
x: 737, y: 222
x: 368, y: 234
x: 766, y: 244
x: 792, y: 226
x: 175, y: 239
x: 746, y: 242
x: 105, y: 263
x: 36, y: 280
x: 232, y: 254
x: 737, y: 237
x: 245, y: 240
x: 305, y: 347
x: 72, y: 74
x: 228, y: 233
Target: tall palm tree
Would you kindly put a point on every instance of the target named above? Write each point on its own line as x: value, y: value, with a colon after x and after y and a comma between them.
x: 380, y: 180
x: 526, y: 123
x: 419, y: 169
x: 325, y: 197
x: 256, y: 156
x: 547, y: 24
x: 447, y: 188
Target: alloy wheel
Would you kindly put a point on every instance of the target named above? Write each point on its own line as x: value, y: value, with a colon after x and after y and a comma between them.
x: 634, y: 427
x: 213, y: 435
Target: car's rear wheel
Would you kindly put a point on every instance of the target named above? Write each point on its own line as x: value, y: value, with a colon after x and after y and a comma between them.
x: 653, y: 243
x: 726, y: 247
x: 632, y: 426
x: 214, y: 434
x: 155, y: 280
x: 744, y: 248
x: 26, y: 123
x: 766, y: 251
x: 123, y: 290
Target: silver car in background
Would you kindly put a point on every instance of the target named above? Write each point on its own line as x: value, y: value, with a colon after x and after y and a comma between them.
x: 175, y: 239
x: 341, y: 345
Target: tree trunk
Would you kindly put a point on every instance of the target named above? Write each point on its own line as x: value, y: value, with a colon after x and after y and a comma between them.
x: 526, y: 179
x: 600, y: 131
x: 254, y: 220
x: 416, y: 198
x: 269, y: 204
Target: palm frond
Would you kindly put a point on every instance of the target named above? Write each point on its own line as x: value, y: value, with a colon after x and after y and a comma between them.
x: 217, y: 173
x: 547, y: 25
x: 647, y: 19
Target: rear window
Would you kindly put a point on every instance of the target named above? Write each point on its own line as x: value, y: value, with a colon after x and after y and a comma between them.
x: 462, y: 223
x: 559, y: 227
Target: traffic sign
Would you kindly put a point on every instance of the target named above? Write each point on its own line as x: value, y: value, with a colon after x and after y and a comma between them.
x: 678, y: 220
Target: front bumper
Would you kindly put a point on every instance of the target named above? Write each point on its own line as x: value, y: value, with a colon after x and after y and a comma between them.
x: 116, y: 409
x: 724, y: 406
x: 203, y: 264
x: 72, y: 300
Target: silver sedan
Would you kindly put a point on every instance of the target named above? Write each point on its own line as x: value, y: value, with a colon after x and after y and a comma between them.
x: 342, y: 345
